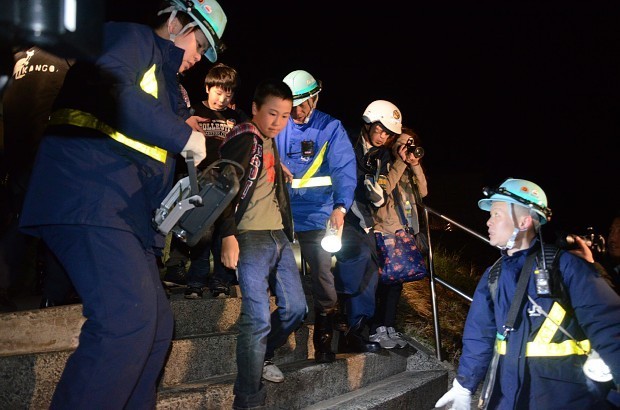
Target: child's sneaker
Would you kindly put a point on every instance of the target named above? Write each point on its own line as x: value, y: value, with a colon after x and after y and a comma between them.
x: 219, y: 289
x: 397, y: 337
x: 272, y: 373
x: 193, y: 293
x: 383, y: 339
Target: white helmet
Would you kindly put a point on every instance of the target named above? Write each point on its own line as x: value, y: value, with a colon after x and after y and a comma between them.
x: 303, y: 86
x: 386, y: 113
x: 209, y: 17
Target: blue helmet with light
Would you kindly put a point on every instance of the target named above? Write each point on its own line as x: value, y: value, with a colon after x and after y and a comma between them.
x: 519, y: 192
x: 210, y: 18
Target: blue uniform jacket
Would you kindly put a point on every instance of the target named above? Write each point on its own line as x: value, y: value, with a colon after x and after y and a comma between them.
x: 541, y: 382
x: 312, y: 206
x: 82, y: 176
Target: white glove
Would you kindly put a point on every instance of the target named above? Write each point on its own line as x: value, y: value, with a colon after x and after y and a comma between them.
x: 375, y: 192
x: 196, y: 143
x: 458, y: 395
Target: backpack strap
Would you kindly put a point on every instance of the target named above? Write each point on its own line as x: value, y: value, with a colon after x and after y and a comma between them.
x: 552, y: 253
x: 493, y: 276
x: 558, y: 288
x: 552, y: 257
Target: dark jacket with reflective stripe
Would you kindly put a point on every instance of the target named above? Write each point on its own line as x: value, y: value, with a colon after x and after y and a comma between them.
x: 83, y: 176
x: 541, y: 382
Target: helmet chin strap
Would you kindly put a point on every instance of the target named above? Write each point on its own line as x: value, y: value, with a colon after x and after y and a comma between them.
x: 307, y: 118
x: 511, y: 241
x: 173, y: 13
x: 313, y: 103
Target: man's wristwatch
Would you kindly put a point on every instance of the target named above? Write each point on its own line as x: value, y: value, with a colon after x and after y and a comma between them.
x: 341, y: 208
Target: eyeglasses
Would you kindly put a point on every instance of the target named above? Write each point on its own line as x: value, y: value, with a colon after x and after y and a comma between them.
x: 503, y: 191
x: 379, y: 129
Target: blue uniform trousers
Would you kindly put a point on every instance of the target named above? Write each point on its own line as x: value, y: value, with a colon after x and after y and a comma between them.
x: 124, y: 342
x: 320, y: 262
x: 356, y: 273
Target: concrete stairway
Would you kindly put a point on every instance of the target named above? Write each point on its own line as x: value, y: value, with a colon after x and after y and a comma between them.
x: 200, y: 371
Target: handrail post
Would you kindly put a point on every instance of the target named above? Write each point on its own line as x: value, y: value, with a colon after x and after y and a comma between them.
x: 434, y: 278
x: 434, y: 304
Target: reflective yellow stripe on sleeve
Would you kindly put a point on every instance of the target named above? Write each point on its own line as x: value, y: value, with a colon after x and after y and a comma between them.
x: 79, y: 118
x: 307, y: 181
x: 149, y: 82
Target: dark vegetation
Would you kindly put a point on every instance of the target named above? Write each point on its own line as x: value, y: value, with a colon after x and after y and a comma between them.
x: 459, y: 259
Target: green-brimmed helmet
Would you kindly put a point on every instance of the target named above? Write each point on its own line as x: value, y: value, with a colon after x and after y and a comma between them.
x: 519, y: 192
x: 303, y: 85
x: 209, y: 16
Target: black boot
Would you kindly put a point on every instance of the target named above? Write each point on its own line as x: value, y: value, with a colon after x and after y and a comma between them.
x: 323, y: 335
x: 340, y: 316
x: 353, y: 341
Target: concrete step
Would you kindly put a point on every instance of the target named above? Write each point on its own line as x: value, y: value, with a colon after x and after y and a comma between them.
x: 406, y: 390
x: 40, y: 330
x: 31, y: 378
x: 204, y: 356
x: 308, y: 383
x: 28, y: 381
x: 200, y: 371
x: 58, y: 328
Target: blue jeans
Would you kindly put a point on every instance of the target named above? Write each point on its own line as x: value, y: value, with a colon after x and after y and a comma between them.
x: 266, y: 263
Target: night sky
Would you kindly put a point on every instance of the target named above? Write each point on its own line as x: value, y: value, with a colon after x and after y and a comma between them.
x: 494, y: 91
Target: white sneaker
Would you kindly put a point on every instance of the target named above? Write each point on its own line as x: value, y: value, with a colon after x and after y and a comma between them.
x: 383, y: 339
x: 272, y: 373
x: 397, y: 337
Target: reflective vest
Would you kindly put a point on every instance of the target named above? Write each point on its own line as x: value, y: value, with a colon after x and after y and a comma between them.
x: 541, y: 346
x: 68, y: 116
x: 308, y: 180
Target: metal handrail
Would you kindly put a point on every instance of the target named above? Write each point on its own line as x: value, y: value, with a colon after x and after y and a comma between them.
x: 435, y: 278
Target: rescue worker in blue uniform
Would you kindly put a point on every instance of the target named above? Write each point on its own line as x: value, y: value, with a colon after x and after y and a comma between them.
x: 104, y: 165
x: 318, y: 159
x: 538, y: 365
x: 357, y: 269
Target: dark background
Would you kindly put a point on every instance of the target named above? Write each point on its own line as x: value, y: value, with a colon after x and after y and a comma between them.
x: 516, y: 89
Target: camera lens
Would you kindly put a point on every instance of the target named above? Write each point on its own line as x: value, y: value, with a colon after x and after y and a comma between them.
x: 417, y: 152
x: 569, y: 242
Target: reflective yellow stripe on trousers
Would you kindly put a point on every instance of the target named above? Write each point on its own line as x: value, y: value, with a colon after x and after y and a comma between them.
x: 541, y: 346
x: 307, y: 181
x: 67, y: 116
